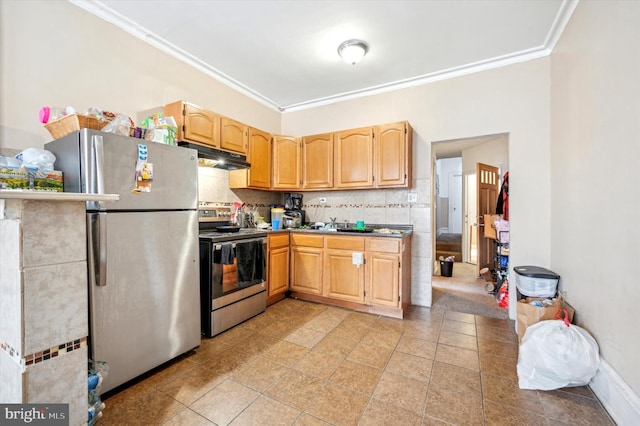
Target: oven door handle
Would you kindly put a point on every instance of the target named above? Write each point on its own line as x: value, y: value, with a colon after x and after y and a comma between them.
x: 218, y: 246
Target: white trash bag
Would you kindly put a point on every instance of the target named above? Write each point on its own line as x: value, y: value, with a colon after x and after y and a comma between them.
x: 556, y: 354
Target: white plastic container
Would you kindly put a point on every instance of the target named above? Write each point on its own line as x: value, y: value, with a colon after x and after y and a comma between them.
x: 535, y: 281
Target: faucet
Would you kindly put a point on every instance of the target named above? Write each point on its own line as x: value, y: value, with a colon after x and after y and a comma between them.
x: 333, y: 222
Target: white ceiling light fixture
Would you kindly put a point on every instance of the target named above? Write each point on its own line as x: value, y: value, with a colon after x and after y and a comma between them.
x: 352, y: 51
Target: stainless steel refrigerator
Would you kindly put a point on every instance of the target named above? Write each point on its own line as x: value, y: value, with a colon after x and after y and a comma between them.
x: 142, y: 251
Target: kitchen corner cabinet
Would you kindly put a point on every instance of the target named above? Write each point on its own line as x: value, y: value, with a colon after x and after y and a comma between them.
x: 234, y: 136
x: 277, y: 267
x: 353, y: 158
x: 258, y: 176
x: 317, y: 161
x: 287, y: 167
x: 307, y: 252
x: 393, y: 145
x: 342, y: 279
x: 195, y: 124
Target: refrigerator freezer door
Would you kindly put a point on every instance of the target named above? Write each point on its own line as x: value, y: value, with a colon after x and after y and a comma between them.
x: 104, y: 163
x: 148, y: 309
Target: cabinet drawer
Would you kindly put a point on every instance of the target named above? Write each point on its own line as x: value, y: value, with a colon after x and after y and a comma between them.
x: 278, y: 240
x: 346, y: 243
x: 385, y: 245
x: 307, y: 240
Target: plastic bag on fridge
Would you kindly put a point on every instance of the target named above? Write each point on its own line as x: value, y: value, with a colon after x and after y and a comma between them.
x: 556, y: 354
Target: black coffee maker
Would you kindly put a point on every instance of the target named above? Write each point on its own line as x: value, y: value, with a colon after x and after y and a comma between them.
x: 293, y: 201
x: 293, y: 206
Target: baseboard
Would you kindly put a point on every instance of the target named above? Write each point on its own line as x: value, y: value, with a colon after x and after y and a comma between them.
x: 620, y: 401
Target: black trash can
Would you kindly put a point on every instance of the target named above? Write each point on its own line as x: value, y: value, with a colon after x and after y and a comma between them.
x: 446, y: 268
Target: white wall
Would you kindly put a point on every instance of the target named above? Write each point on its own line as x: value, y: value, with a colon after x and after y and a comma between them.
x: 54, y: 53
x: 494, y: 153
x: 513, y: 99
x: 595, y: 185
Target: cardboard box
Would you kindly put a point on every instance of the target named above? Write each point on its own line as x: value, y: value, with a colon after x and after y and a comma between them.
x: 47, y: 181
x: 528, y: 314
x: 14, y: 178
x: 490, y: 226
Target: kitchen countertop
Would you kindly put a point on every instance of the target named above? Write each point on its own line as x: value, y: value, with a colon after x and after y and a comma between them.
x: 56, y: 196
x: 405, y: 230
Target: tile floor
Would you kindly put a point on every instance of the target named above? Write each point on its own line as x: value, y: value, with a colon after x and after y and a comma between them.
x: 309, y: 364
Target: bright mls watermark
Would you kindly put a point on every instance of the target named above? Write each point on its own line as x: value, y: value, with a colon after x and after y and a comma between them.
x: 34, y: 414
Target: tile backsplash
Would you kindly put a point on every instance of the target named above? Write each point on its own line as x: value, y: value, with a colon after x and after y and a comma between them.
x: 377, y: 206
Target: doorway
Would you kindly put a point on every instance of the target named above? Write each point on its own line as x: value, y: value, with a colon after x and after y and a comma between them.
x: 489, y: 149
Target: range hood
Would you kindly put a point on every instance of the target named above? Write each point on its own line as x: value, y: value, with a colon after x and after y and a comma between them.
x: 211, y: 157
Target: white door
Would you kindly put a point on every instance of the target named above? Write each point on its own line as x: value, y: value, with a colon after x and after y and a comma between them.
x: 455, y: 203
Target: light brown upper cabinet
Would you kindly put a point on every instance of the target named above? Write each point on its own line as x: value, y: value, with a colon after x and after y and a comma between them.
x: 353, y: 158
x: 259, y: 156
x: 234, y: 136
x: 287, y: 168
x: 393, y: 144
x: 317, y: 161
x: 195, y: 124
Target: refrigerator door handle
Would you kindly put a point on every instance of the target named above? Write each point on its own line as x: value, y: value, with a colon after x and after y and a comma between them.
x: 95, y: 171
x: 98, y: 174
x: 97, y: 245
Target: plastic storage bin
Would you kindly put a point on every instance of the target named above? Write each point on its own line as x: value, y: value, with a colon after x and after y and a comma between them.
x: 535, y: 281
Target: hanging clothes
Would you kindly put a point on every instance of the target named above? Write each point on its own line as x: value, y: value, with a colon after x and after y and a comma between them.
x: 502, y: 206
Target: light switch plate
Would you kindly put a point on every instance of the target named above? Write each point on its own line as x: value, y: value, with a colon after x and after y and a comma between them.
x: 412, y: 197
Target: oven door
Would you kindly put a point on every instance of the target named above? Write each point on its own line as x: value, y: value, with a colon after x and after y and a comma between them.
x: 236, y: 286
x: 236, y: 266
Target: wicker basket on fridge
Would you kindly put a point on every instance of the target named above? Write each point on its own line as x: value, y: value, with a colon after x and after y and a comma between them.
x: 73, y: 122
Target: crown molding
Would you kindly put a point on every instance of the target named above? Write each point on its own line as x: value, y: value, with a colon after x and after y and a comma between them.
x: 102, y: 11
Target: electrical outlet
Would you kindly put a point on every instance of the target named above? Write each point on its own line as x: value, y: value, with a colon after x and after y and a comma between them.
x: 323, y: 200
x: 412, y: 197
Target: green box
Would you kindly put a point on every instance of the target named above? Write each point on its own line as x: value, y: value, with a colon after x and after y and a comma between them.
x: 47, y: 181
x: 14, y: 178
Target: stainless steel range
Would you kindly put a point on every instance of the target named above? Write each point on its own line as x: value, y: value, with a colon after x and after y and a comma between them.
x: 232, y: 270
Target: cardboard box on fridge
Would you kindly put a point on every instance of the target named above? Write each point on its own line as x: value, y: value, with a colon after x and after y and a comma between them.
x: 528, y: 314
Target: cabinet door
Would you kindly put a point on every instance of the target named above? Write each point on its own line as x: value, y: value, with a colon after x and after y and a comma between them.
x: 306, y: 269
x: 260, y: 159
x: 195, y: 124
x: 343, y: 280
x: 317, y: 161
x: 392, y: 147
x: 234, y: 136
x: 384, y: 279
x: 353, y: 161
x: 286, y: 162
x: 278, y: 278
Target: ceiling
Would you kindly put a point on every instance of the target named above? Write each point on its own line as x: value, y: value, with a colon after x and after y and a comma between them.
x: 283, y: 53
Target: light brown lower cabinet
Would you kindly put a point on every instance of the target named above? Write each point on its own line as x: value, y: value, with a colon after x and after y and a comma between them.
x: 384, y: 270
x: 306, y: 263
x: 277, y: 267
x: 323, y: 270
x: 342, y: 279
